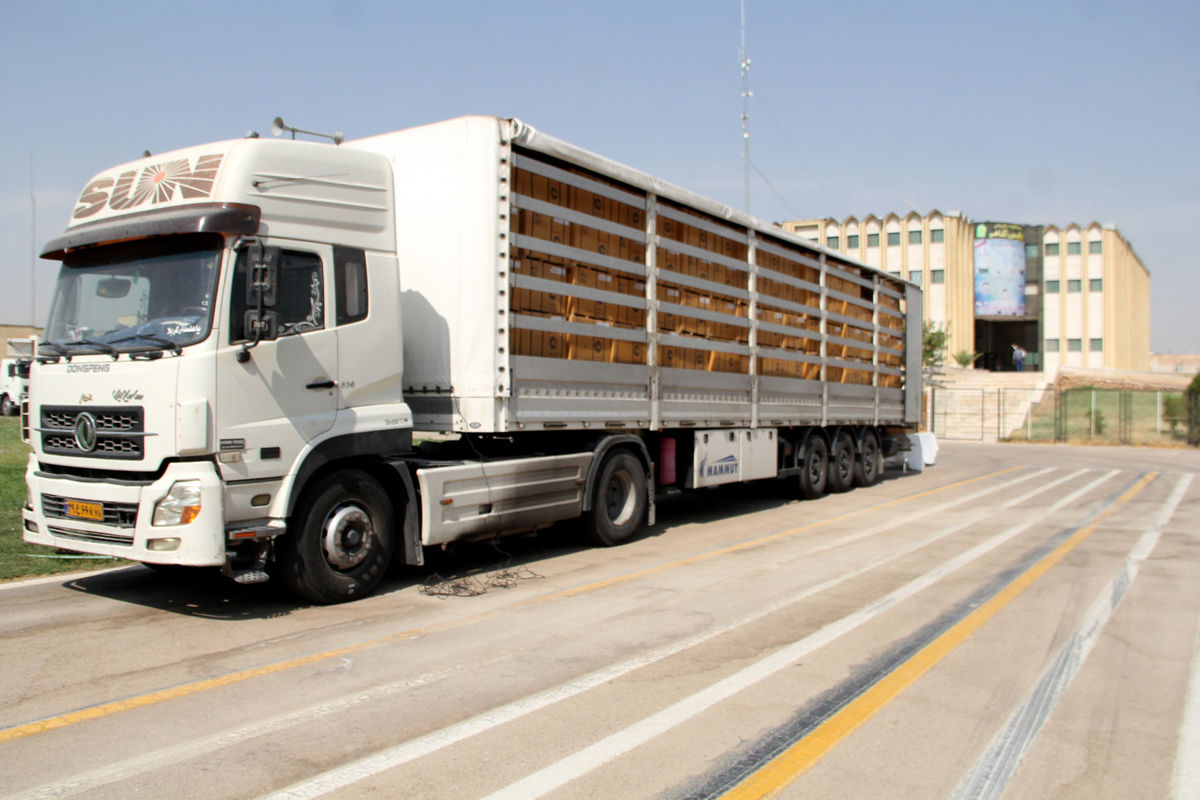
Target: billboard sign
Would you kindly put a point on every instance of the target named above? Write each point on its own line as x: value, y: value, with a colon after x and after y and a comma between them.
x: 999, y: 270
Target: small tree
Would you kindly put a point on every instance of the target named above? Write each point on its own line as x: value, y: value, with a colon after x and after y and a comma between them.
x: 1173, y: 410
x: 1193, y: 410
x: 933, y: 347
x: 966, y: 358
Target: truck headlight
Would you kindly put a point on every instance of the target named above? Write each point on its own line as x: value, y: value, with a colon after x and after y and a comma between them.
x: 180, y: 506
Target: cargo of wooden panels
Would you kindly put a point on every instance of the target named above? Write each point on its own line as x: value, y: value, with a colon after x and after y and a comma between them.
x: 581, y: 260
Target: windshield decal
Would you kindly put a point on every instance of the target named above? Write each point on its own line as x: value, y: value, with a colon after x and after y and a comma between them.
x: 154, y: 184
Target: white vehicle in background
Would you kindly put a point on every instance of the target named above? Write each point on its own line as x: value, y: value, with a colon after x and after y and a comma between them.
x: 245, y: 336
x: 14, y: 385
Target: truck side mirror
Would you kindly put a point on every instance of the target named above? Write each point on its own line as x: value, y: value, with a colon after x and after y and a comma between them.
x: 261, y: 325
x: 262, y: 279
x: 262, y: 293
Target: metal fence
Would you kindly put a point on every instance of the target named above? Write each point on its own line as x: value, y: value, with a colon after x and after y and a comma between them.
x: 1085, y: 415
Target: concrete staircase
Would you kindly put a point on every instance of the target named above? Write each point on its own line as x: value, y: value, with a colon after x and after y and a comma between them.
x: 983, y: 406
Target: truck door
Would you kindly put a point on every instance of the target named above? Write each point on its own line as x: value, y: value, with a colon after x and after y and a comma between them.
x: 271, y: 405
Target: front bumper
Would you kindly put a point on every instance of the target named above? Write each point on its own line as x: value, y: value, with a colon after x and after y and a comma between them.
x: 65, y: 509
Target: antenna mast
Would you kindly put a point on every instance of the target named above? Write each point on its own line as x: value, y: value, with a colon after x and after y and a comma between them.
x: 744, y: 57
x: 32, y: 247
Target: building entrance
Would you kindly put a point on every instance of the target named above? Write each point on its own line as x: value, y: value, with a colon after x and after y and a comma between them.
x: 994, y: 338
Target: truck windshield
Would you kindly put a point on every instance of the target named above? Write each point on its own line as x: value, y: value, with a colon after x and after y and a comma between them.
x: 151, y: 294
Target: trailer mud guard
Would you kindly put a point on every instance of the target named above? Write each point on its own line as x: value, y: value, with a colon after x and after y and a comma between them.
x: 410, y: 526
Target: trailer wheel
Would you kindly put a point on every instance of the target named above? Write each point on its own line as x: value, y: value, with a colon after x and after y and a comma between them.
x: 869, y: 466
x: 340, y: 539
x: 619, y: 500
x: 814, y: 467
x: 841, y: 463
x: 7, y: 407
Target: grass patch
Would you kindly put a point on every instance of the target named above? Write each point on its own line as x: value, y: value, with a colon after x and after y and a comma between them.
x: 19, y: 559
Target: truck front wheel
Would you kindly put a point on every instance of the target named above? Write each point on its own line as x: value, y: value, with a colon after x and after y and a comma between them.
x: 340, y: 539
x: 7, y: 407
x: 619, y: 500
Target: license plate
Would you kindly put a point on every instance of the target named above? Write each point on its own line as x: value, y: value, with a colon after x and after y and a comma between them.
x: 79, y: 510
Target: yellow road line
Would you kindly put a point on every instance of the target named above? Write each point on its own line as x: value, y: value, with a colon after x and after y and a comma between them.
x: 184, y: 690
x: 776, y: 774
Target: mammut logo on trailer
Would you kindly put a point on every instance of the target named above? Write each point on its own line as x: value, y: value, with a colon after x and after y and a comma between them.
x: 725, y: 466
x: 154, y: 184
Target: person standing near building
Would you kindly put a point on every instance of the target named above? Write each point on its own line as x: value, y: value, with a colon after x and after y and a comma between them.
x: 1018, y: 357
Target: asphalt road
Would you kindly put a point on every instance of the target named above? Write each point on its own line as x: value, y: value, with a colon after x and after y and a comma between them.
x: 1015, y: 621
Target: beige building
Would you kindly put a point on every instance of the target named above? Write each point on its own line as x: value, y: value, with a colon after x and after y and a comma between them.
x: 1074, y: 296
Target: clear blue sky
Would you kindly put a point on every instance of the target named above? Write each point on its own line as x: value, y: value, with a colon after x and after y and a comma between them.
x: 1037, y: 112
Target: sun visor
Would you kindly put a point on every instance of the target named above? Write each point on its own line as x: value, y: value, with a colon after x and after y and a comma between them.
x: 228, y: 218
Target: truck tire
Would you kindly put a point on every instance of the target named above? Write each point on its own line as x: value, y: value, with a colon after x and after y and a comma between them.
x: 841, y: 463
x: 814, y: 467
x: 7, y: 407
x: 619, y: 500
x: 340, y: 539
x: 869, y: 466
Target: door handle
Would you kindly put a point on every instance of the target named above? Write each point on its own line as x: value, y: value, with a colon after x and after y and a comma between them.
x: 326, y: 384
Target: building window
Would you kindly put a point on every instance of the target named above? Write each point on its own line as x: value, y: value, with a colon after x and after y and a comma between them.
x: 915, y: 276
x: 1074, y: 248
x: 937, y: 236
x: 1094, y: 247
x: 1095, y: 345
x: 832, y: 242
x: 1051, y: 248
x: 937, y: 276
x: 914, y: 237
x: 1051, y: 287
x: 1075, y: 345
x: 1096, y: 285
x: 893, y: 238
x: 1052, y: 345
x: 852, y: 241
x: 872, y: 240
x: 1031, y: 251
x: 1075, y: 286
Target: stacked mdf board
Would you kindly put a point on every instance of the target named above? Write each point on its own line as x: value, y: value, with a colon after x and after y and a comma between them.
x: 579, y: 259
x: 586, y: 286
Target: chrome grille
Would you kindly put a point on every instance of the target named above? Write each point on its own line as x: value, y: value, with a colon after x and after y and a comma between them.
x: 91, y: 536
x: 119, y: 431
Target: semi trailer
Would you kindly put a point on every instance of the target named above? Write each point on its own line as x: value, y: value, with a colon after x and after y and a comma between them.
x: 307, y: 360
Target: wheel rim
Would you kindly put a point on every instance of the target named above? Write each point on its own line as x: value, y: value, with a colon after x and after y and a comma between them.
x: 845, y: 461
x: 816, y: 467
x: 620, y: 500
x: 870, y: 458
x: 347, y: 536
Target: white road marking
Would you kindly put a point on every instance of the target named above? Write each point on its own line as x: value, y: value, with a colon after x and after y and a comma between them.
x: 567, y: 769
x: 110, y: 773
x: 1185, y: 783
x: 995, y: 768
x: 555, y: 775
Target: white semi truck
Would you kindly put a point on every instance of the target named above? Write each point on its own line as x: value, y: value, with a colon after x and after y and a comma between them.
x: 245, y: 336
x: 14, y: 385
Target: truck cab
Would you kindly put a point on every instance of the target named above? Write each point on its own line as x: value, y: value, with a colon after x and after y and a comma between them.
x: 14, y: 385
x: 211, y: 348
